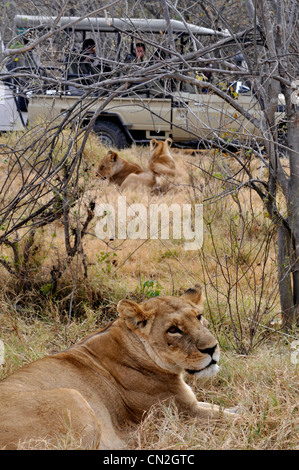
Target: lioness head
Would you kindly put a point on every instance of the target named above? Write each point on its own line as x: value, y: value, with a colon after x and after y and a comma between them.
x: 174, y: 332
x: 107, y: 165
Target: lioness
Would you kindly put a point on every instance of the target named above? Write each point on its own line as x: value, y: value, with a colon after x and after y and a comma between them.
x: 101, y: 387
x: 161, y: 160
x: 122, y: 172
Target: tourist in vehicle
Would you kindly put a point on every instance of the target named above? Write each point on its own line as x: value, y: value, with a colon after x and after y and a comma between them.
x: 91, y: 67
x: 140, y: 52
x: 88, y: 61
x: 137, y: 54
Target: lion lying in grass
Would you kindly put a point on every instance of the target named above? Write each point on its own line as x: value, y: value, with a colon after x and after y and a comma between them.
x: 101, y: 387
x: 123, y: 173
x: 126, y: 174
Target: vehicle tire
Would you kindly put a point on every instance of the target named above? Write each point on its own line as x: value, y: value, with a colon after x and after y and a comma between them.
x: 110, y: 134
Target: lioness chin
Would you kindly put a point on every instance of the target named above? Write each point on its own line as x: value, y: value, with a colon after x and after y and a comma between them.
x: 101, y: 387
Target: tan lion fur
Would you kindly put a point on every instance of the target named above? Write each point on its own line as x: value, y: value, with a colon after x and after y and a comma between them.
x: 123, y: 173
x: 101, y: 387
x: 161, y: 160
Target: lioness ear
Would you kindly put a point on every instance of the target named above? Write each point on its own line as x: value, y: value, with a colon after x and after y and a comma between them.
x: 194, y: 294
x: 132, y: 313
x: 169, y: 141
x: 153, y: 143
x: 113, y: 156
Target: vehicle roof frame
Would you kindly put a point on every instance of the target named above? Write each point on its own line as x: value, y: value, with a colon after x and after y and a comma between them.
x: 114, y: 24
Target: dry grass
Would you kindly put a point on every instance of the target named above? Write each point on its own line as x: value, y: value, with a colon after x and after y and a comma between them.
x: 230, y: 267
x: 264, y: 387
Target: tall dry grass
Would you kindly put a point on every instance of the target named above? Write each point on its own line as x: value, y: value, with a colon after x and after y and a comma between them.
x: 265, y: 389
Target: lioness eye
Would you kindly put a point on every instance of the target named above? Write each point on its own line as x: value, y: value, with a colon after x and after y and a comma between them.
x: 174, y: 329
x: 199, y: 317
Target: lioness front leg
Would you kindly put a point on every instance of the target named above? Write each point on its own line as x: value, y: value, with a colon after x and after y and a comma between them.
x: 215, y: 411
x: 188, y: 404
x: 205, y: 410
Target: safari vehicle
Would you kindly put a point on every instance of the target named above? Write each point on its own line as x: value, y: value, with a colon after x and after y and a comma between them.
x: 149, y: 109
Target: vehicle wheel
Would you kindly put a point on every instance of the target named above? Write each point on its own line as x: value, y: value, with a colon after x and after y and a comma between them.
x: 110, y: 134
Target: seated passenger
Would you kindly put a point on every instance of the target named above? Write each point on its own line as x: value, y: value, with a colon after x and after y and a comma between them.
x: 88, y: 62
x: 137, y: 54
x: 86, y: 67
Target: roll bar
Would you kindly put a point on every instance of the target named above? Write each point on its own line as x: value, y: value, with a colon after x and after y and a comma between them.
x: 114, y: 24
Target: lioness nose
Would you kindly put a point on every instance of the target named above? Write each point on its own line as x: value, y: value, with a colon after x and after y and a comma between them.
x: 209, y: 351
